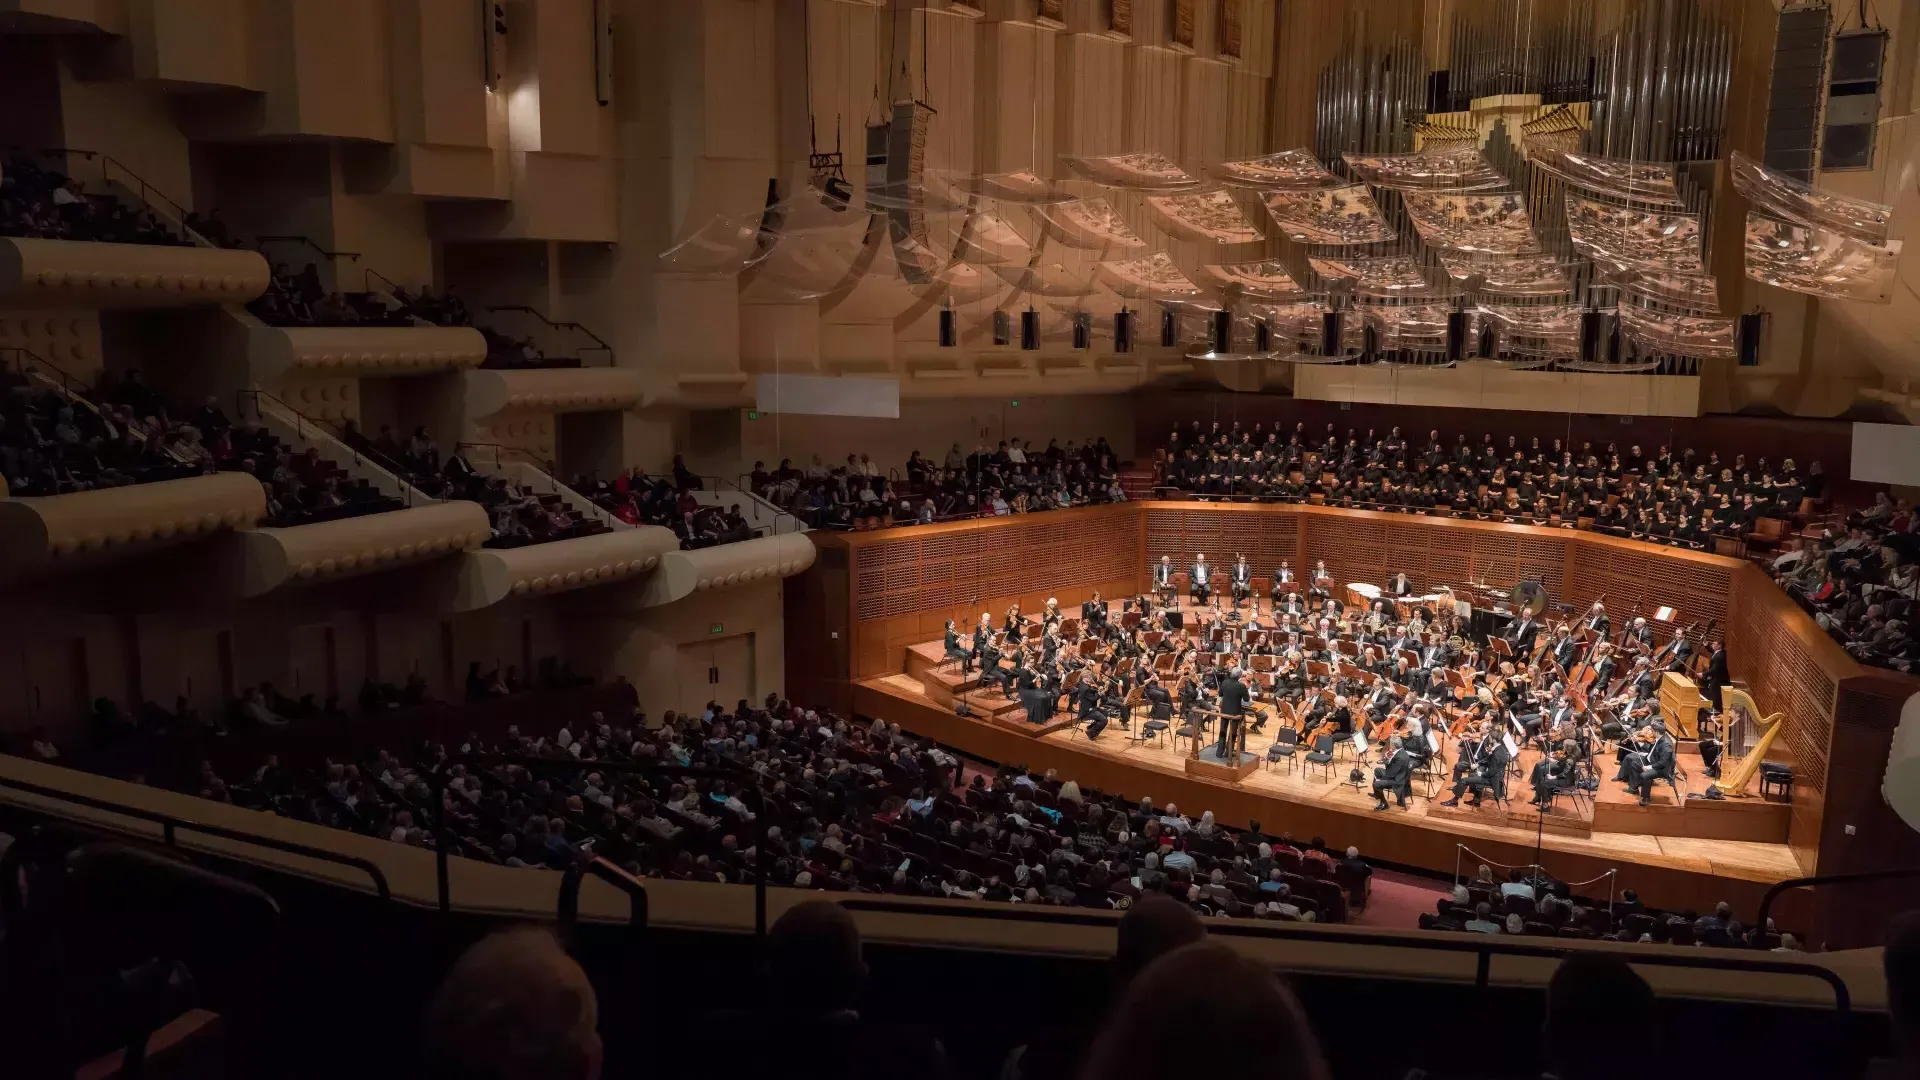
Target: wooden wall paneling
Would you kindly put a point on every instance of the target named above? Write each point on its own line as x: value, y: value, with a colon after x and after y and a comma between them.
x: 1866, y: 715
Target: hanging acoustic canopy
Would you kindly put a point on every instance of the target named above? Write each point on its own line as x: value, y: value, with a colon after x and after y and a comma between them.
x: 1332, y: 216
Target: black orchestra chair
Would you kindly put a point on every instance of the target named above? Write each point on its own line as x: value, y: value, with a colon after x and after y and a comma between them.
x: 1286, y: 742
x: 1321, y: 755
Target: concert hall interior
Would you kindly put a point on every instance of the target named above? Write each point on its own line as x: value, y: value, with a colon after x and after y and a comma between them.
x: 540, y: 537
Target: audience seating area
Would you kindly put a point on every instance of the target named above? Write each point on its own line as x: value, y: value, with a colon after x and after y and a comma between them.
x: 1013, y: 478
x: 1861, y: 581
x: 40, y: 203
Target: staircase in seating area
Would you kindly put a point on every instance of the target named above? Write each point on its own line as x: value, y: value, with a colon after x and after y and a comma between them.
x: 764, y: 518
x: 1137, y: 483
x: 517, y: 468
x: 287, y: 424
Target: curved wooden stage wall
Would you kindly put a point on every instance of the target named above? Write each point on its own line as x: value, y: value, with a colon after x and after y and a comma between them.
x: 884, y: 591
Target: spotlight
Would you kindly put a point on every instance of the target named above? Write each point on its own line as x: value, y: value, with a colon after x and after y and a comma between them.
x: 1002, y: 328
x: 1169, y: 328
x: 948, y: 337
x: 1123, y: 331
x: 1330, y: 344
x: 1082, y: 329
x: 1222, y: 332
x: 1029, y: 330
x: 1456, y: 335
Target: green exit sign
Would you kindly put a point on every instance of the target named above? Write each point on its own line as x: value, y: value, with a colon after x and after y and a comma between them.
x: 717, y: 628
x: 1016, y: 403
x: 753, y: 414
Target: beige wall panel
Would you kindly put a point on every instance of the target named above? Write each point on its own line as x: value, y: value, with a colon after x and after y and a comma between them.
x: 857, y: 346
x: 439, y: 85
x: 950, y: 51
x: 340, y: 55
x: 698, y: 327
x: 562, y: 197
x: 389, y: 232
x: 1206, y: 104
x: 738, y: 64
x: 193, y: 41
x: 1093, y: 86
x: 648, y: 441
x: 562, y: 42
x: 1155, y: 102
x: 404, y: 644
x: 67, y: 340
x: 780, y: 337
x: 644, y: 647
x: 132, y: 123
x: 186, y: 656
x: 1015, y: 96
x: 1256, y: 36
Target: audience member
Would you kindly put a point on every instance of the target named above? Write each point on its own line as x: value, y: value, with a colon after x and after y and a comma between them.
x: 514, y: 1007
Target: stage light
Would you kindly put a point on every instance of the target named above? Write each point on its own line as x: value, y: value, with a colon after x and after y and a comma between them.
x: 948, y: 334
x: 1330, y: 334
x: 1029, y: 330
x: 1123, y: 331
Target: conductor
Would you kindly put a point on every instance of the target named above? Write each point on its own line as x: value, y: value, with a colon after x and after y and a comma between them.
x: 1233, y: 709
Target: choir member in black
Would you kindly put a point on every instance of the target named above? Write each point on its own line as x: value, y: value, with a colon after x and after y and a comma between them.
x: 1553, y: 774
x: 1642, y: 770
x: 1242, y: 579
x: 1163, y: 579
x: 1200, y: 579
x: 1234, y: 696
x: 1395, y: 776
x: 956, y: 652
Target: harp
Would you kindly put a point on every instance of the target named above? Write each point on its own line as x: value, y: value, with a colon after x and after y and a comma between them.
x: 1737, y: 701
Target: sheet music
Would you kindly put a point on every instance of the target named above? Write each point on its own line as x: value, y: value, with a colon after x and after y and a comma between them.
x: 1433, y: 742
x: 1359, y: 742
x: 1513, y: 749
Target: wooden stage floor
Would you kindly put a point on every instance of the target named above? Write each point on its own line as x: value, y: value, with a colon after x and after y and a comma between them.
x: 1667, y: 870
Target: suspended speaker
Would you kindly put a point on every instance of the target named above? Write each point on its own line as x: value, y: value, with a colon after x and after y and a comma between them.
x: 1613, y: 339
x: 1222, y: 338
x: 1082, y: 329
x: 1369, y: 343
x: 1002, y: 328
x: 948, y: 336
x: 1330, y: 334
x: 1123, y: 331
x: 1169, y: 328
x: 1489, y: 345
x: 1747, y: 337
x: 1456, y: 335
x: 1262, y: 336
x: 1591, y: 329
x: 1029, y: 329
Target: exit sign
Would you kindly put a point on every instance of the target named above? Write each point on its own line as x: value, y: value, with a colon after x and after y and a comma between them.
x: 753, y: 414
x: 717, y: 628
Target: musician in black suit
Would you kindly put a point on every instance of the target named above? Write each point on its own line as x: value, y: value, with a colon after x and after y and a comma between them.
x: 1159, y: 702
x: 956, y: 652
x: 1566, y: 648
x: 1680, y: 654
x: 1522, y: 634
x: 1480, y: 769
x: 1716, y: 675
x: 1597, y: 620
x: 1710, y: 745
x: 1395, y: 776
x: 1642, y: 770
x: 1163, y: 579
x: 1200, y: 579
x: 1087, y: 696
x: 1278, y: 589
x: 1321, y: 585
x: 1242, y: 579
x: 1234, y: 696
x: 1093, y: 613
x: 1399, y: 585
x: 1552, y: 774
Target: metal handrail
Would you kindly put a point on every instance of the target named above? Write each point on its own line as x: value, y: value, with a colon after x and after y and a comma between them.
x: 71, y: 385
x: 437, y: 781
x: 568, y: 910
x: 301, y: 422
x: 756, y: 503
x: 1483, y: 946
x: 605, y: 516
x: 369, y: 273
x: 170, y: 826
x: 1778, y: 887
x: 145, y: 192
x: 309, y: 242
x: 599, y: 343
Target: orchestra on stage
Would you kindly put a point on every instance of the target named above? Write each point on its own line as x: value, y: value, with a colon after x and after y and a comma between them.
x: 1450, y: 685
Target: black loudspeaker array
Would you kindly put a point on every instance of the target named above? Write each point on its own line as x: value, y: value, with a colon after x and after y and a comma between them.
x: 1029, y: 330
x: 1222, y: 337
x: 1330, y: 343
x: 1123, y: 331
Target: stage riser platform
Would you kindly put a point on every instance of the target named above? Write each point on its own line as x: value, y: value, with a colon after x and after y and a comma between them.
x: 1424, y: 836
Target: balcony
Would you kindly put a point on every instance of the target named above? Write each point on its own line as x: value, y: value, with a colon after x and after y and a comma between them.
x: 554, y: 390
x: 271, y: 559
x: 52, y: 274
x: 726, y: 566
x: 278, y: 353
x: 60, y: 533
x: 493, y: 575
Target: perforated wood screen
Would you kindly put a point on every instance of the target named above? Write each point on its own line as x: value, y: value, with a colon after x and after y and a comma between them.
x: 1120, y: 16
x: 1789, y: 666
x: 1230, y: 28
x: 1182, y: 21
